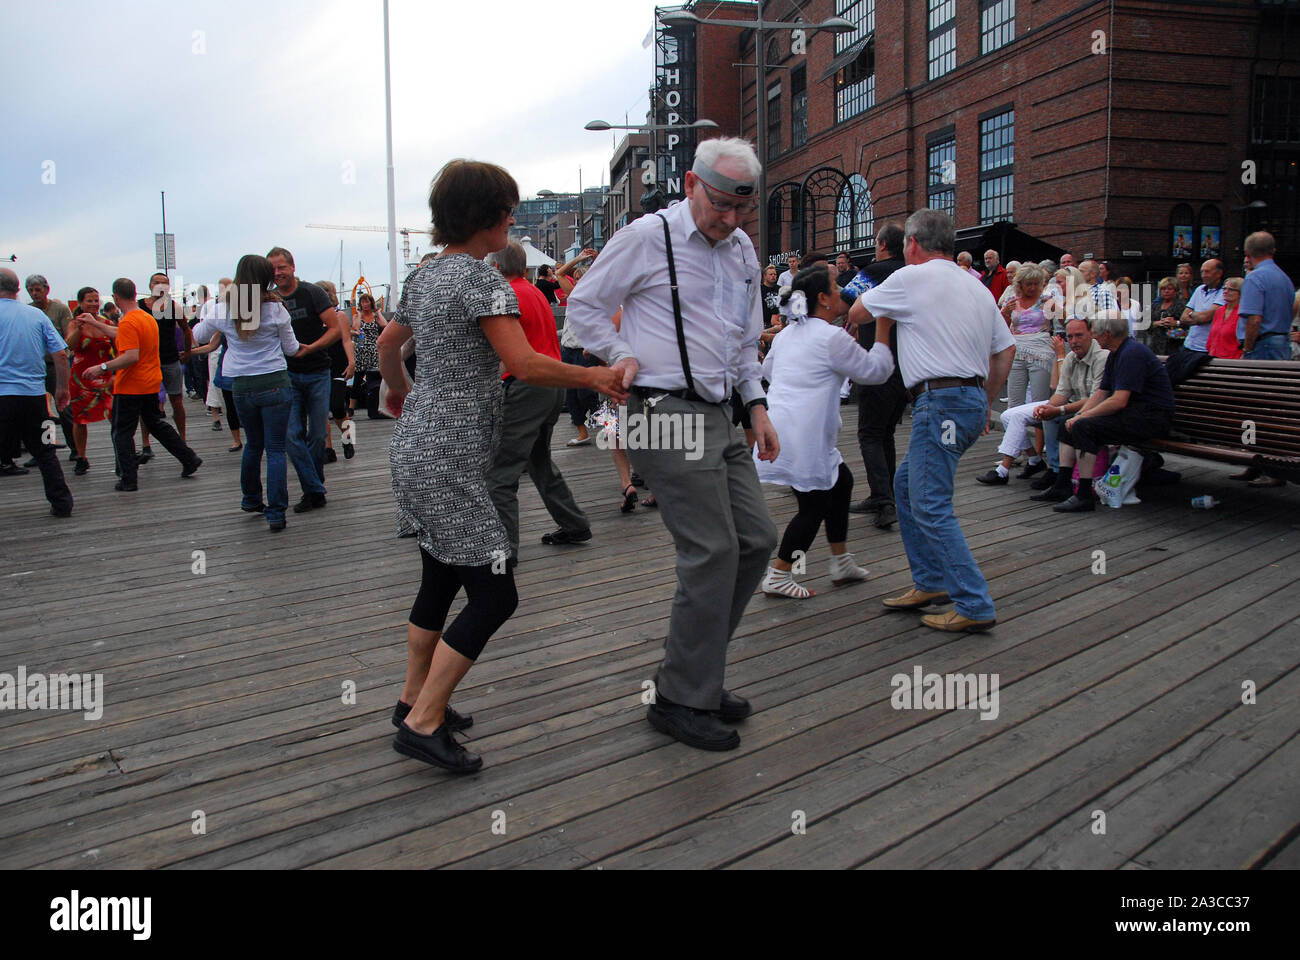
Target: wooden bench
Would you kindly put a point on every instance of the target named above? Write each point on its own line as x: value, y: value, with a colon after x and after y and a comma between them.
x: 1216, y: 405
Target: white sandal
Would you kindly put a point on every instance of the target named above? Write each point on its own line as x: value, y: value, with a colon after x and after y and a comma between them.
x: 781, y: 583
x: 844, y: 569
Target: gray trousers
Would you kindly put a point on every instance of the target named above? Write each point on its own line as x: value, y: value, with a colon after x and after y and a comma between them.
x: 715, y: 511
x: 528, y: 419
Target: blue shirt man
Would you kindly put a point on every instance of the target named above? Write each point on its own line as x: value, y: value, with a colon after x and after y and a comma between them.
x: 1200, y: 308
x: 26, y: 336
x: 1264, y: 317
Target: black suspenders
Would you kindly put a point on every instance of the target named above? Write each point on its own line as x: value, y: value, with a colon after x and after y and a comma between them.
x: 677, y: 305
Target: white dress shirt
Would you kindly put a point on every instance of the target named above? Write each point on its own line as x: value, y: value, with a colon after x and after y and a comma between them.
x: 948, y: 326
x: 808, y: 361
x: 721, y: 299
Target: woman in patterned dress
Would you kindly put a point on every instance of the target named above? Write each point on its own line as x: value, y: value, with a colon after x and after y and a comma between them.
x: 464, y: 318
x: 92, y: 397
x: 367, y: 326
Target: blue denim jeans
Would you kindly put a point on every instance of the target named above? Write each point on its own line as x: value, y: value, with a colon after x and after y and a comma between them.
x: 1270, y: 348
x: 264, y: 416
x: 1052, y: 443
x: 944, y: 425
x: 306, y: 437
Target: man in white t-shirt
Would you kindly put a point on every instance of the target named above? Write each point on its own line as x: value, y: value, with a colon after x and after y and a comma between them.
x: 954, y: 351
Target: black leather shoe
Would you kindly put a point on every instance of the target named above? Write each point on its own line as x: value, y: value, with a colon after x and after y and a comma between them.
x: 866, y: 506
x: 1032, y: 470
x: 83, y: 467
x: 309, y: 502
x: 349, y: 451
x: 121, y: 487
x: 331, y: 456
x: 560, y: 537
x: 192, y: 469
x: 993, y: 479
x: 455, y: 722
x: 1076, y: 504
x: 439, y: 749
x: 277, y: 526
x: 695, y: 728
x: 1045, y: 482
x: 1054, y: 494
x: 260, y: 508
x: 887, y: 517
x: 733, y: 709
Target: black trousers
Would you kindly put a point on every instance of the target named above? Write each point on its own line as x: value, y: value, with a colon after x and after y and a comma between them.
x: 880, y: 411
x: 24, y: 418
x: 232, y: 415
x: 129, y: 410
x: 815, y: 506
x: 1132, y: 426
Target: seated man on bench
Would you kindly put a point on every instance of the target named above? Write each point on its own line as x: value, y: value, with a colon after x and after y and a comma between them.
x: 1133, y: 403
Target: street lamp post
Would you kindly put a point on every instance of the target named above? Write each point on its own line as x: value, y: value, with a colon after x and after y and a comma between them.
x: 652, y: 129
x: 761, y: 28
x: 392, y: 198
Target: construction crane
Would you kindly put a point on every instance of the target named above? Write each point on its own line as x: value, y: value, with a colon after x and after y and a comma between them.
x: 404, y: 231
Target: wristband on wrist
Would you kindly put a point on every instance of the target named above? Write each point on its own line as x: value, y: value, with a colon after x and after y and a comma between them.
x: 760, y: 402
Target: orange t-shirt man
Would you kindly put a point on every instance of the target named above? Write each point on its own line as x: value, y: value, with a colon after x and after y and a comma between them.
x: 138, y: 331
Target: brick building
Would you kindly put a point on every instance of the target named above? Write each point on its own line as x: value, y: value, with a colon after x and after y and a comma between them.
x: 1139, y: 131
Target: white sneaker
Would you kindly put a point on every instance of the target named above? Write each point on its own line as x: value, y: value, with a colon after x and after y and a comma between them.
x: 781, y: 583
x: 844, y: 569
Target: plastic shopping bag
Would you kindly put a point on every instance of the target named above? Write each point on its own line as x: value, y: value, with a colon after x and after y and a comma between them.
x: 1115, y: 489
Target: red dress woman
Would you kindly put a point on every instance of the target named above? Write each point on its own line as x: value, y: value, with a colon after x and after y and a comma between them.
x: 92, y: 395
x: 1222, y: 341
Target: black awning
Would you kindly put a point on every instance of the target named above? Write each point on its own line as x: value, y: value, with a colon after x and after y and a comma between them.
x: 1010, y: 243
x: 847, y: 57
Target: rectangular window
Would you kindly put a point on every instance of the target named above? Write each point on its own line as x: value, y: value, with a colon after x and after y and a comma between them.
x: 942, y: 35
x: 997, y: 24
x: 861, y: 13
x: 942, y: 163
x: 855, y: 85
x: 997, y: 162
x: 798, y: 107
x: 773, y: 121
x: 1275, y: 114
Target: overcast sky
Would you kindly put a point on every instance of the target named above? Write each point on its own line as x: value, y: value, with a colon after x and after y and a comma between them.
x: 254, y: 116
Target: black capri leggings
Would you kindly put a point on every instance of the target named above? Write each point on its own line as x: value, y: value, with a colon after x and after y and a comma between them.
x: 492, y: 600
x: 815, y: 506
x: 232, y: 415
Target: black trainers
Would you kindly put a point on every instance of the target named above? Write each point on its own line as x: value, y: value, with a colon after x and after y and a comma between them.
x: 560, y: 537
x: 439, y: 749
x: 456, y: 722
x: 993, y: 479
x: 695, y: 728
x: 1032, y: 470
x: 887, y: 517
x: 349, y: 451
x: 309, y: 502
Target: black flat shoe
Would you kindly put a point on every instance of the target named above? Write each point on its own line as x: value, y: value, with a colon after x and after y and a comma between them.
x: 1054, y: 494
x: 349, y: 451
x: 561, y: 537
x: 887, y: 517
x: 866, y: 506
x: 733, y: 709
x: 277, y: 526
x: 455, y: 722
x: 1076, y: 505
x: 309, y: 502
x: 331, y: 456
x: 629, y: 499
x: 695, y: 728
x: 192, y: 469
x: 13, y: 470
x: 1032, y: 470
x: 260, y: 508
x: 236, y: 448
x: 83, y: 467
x: 993, y: 479
x: 1045, y: 482
x: 439, y: 749
x: 121, y: 487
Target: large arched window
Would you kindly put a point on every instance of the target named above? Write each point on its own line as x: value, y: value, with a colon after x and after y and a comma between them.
x: 864, y: 227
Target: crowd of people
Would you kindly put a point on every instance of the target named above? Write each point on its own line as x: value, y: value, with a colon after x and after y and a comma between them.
x: 673, y: 319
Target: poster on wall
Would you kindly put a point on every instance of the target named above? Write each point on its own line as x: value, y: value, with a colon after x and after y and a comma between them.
x: 1183, y: 241
x: 1209, y: 242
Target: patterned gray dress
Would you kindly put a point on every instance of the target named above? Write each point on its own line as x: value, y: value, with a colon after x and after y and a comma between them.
x: 451, y: 423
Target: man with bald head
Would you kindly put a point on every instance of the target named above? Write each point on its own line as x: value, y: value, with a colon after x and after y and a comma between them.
x: 1196, y: 320
x: 27, y: 337
x: 689, y: 284
x: 995, y: 275
x: 967, y: 263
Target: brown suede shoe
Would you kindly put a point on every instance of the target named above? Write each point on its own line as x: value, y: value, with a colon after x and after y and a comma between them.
x: 954, y: 622
x: 915, y: 599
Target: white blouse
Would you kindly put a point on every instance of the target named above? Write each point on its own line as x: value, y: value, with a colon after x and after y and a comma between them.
x: 806, y: 366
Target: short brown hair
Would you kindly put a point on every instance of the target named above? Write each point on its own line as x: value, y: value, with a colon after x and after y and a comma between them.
x: 468, y: 196
x: 281, y: 252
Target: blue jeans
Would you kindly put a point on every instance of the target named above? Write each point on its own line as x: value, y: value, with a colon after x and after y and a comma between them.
x: 264, y: 416
x: 1052, y: 443
x: 1270, y: 348
x: 936, y: 547
x: 306, y: 437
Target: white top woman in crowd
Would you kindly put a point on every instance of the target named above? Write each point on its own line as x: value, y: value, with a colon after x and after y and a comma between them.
x: 808, y: 361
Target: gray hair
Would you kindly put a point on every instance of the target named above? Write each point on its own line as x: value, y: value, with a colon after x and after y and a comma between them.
x: 36, y: 280
x: 933, y: 230
x: 965, y: 257
x: 740, y: 152
x: 513, y: 260
x: 1110, y: 321
x: 1049, y: 266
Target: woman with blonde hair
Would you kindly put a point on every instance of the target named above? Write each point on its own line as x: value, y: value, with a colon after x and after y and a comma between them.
x: 259, y: 336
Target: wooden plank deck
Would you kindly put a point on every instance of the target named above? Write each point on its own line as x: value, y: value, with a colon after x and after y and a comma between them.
x: 1119, y: 693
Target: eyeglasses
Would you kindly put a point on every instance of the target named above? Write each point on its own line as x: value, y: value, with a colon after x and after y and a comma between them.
x: 744, y: 207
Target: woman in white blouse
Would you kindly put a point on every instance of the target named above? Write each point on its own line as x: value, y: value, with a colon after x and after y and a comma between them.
x: 806, y: 365
x: 259, y: 336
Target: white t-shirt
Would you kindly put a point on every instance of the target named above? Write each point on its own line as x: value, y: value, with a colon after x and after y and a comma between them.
x: 948, y: 325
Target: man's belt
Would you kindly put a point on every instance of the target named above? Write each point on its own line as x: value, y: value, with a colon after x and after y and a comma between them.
x: 1262, y: 336
x: 644, y: 392
x: 943, y: 383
